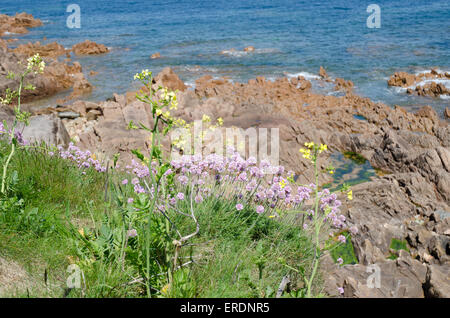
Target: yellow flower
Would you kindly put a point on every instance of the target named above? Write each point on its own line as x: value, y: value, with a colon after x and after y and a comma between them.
x: 206, y: 118
x: 322, y: 148
x: 350, y: 195
x: 282, y: 184
x: 310, y: 145
x: 165, y: 289
x: 306, y: 153
x: 220, y: 121
x: 166, y: 115
x: 331, y: 171
x: 271, y: 216
x: 158, y: 112
x: 81, y: 231
x: 93, y: 156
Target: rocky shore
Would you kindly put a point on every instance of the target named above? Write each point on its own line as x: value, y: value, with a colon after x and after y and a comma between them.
x: 422, y: 84
x: 408, y: 202
x: 18, y: 24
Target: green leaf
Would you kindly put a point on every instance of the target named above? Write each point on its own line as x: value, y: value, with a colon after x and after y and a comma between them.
x: 138, y: 154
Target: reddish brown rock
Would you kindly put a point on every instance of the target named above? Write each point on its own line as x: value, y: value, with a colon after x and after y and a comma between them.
x: 447, y: 113
x: 18, y: 23
x: 402, y: 79
x: 343, y: 85
x: 433, y: 89
x: 167, y: 78
x: 322, y: 73
x: 57, y: 76
x: 156, y: 55
x: 49, y: 50
x: 89, y: 48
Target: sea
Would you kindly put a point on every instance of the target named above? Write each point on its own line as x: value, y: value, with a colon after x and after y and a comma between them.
x: 291, y: 38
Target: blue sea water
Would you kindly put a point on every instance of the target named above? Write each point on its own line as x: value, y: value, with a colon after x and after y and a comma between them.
x: 290, y: 36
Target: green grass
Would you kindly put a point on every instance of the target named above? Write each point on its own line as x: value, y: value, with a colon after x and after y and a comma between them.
x: 344, y: 251
x: 235, y: 254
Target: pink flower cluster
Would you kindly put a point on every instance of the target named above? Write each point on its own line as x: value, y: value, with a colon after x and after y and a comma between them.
x: 17, y: 134
x: 263, y: 188
x: 83, y: 159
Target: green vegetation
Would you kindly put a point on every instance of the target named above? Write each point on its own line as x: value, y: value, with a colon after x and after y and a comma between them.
x: 194, y: 227
x: 235, y: 254
x: 355, y: 157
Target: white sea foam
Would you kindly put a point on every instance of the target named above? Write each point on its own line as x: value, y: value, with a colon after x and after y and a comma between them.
x: 238, y: 53
x: 439, y: 71
x: 306, y: 75
x: 445, y: 82
x: 444, y: 97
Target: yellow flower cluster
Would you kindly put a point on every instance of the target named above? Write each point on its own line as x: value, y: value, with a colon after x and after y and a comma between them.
x: 306, y: 153
x: 143, y: 75
x: 36, y: 63
x: 312, y: 149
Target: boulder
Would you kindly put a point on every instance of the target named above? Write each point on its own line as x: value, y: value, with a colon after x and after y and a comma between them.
x: 18, y: 23
x: 89, y: 48
x: 156, y: 55
x: 53, y: 49
x: 167, y: 78
x: 47, y: 128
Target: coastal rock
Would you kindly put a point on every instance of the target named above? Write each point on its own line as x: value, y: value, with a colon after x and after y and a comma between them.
x: 438, y: 281
x: 447, y: 113
x: 167, y: 78
x: 322, y: 73
x: 402, y: 79
x: 89, y: 48
x: 18, y: 24
x: 53, y: 49
x: 412, y: 150
x: 432, y: 87
x: 47, y: 128
x: 156, y: 55
x: 57, y: 76
x: 343, y: 85
x: 81, y: 85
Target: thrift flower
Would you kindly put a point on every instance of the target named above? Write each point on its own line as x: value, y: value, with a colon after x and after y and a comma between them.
x: 239, y: 207
x: 198, y: 198
x: 132, y: 233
